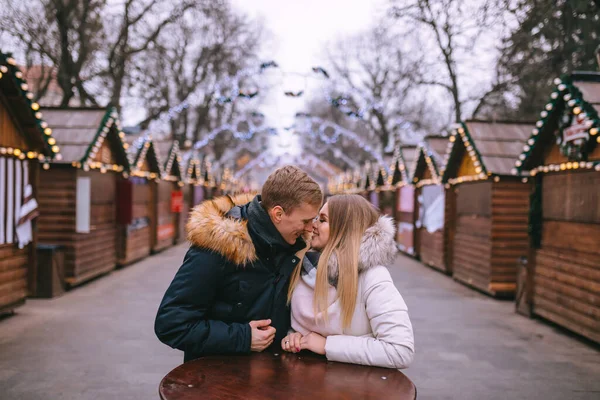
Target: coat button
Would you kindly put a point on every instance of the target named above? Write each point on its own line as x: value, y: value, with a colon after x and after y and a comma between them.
x: 238, y: 305
x: 294, y: 261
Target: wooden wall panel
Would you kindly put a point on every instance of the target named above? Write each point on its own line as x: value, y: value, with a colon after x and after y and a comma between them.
x: 165, y: 229
x: 471, y: 252
x: 135, y: 240
x: 404, y: 215
x: 96, y: 252
x: 57, y: 207
x: 510, y: 239
x: 566, y: 286
x: 431, y: 249
x: 572, y: 196
x: 13, y: 276
x: 9, y: 133
x: 474, y: 198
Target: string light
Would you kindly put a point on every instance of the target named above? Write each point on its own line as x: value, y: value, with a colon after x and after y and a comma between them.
x: 9, y: 65
x: 575, y: 102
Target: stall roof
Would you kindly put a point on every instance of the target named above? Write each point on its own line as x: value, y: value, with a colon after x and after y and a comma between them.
x: 429, y: 157
x: 575, y: 98
x: 141, y: 149
x: 81, y: 132
x: 17, y: 99
x: 491, y: 146
x: 170, y: 157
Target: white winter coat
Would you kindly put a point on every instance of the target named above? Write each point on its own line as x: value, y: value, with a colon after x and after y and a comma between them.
x: 381, y: 332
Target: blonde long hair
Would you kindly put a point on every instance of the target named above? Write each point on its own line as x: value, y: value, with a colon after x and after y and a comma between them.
x: 350, y: 215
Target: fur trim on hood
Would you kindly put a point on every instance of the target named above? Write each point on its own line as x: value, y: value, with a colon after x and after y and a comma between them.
x: 209, y: 227
x: 378, y: 247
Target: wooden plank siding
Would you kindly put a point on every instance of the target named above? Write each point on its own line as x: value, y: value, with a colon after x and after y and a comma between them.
x: 96, y: 252
x: 87, y: 255
x: 135, y: 244
x: 17, y: 266
x: 566, y: 287
x: 471, y: 251
x: 510, y: 240
x: 166, y: 220
x: 9, y: 132
x: 13, y: 276
x: 57, y: 205
x: 183, y: 216
x: 432, y: 248
x: 404, y: 215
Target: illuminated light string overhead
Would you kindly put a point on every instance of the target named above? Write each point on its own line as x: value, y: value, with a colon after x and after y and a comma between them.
x: 266, y: 159
x: 306, y: 127
x: 570, y: 98
x: 337, y: 153
x: 233, y: 128
x: 229, y: 89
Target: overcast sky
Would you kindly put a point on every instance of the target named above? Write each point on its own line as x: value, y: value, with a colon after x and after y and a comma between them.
x: 298, y: 32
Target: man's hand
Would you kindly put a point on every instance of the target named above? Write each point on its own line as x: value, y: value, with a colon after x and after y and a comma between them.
x: 262, y: 334
x: 313, y: 342
x: 291, y: 342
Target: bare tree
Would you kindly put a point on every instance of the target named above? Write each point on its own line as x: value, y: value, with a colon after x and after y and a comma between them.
x: 140, y: 23
x: 188, y: 62
x: 67, y: 33
x: 378, y: 75
x: 452, y: 30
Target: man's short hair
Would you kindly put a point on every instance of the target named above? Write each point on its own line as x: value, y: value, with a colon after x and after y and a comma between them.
x: 289, y: 187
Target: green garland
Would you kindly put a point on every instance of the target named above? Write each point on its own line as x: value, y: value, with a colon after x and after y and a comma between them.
x: 104, y: 124
x: 8, y: 67
x: 566, y: 96
x: 453, y: 150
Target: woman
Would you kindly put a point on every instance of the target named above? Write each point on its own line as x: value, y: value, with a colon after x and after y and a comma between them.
x: 344, y: 303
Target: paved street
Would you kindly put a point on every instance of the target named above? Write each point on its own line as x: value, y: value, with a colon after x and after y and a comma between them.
x: 97, y: 342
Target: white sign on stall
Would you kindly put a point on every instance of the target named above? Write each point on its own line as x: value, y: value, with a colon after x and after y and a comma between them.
x: 83, y: 210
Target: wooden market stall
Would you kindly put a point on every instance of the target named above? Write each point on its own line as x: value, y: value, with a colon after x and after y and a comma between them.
x: 78, y: 195
x: 195, y: 179
x: 25, y: 139
x: 137, y: 209
x: 432, y: 206
x: 492, y: 205
x: 563, y: 279
x: 385, y: 191
x: 173, y: 197
x: 404, y: 199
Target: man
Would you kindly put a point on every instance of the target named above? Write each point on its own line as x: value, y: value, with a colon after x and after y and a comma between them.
x: 230, y: 293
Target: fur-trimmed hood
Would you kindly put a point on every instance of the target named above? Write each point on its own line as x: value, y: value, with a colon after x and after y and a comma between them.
x: 378, y: 247
x: 210, y: 227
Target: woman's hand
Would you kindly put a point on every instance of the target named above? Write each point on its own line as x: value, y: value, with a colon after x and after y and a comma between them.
x: 292, y: 342
x: 313, y: 342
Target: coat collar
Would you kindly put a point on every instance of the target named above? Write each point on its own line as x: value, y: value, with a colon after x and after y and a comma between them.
x: 236, y: 227
x: 377, y: 247
x: 209, y: 227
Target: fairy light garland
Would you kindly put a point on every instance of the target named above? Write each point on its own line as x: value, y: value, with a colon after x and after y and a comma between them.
x: 253, y: 129
x: 425, y: 153
x: 565, y: 98
x: 462, y: 133
x: 109, y: 122
x: 307, y: 122
x: 141, y: 148
x: 9, y: 70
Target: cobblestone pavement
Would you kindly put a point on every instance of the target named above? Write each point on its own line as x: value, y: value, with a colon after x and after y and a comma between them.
x: 97, y: 342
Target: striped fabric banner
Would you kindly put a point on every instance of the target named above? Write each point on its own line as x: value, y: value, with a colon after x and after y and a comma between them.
x: 13, y: 182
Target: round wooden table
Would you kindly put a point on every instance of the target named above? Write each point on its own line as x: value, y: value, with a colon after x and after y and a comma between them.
x: 282, y: 376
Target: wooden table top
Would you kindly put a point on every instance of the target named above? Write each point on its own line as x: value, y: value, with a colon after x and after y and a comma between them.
x: 282, y: 376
